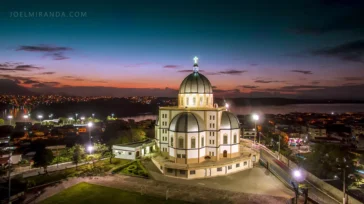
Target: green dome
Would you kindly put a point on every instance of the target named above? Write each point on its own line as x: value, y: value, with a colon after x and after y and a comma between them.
x: 195, y: 83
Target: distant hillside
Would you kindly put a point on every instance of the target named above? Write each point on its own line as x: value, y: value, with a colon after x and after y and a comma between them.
x: 10, y: 87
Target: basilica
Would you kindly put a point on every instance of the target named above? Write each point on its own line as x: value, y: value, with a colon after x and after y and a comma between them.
x: 198, y: 138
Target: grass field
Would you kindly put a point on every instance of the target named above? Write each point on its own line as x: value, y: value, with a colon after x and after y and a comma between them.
x: 89, y: 193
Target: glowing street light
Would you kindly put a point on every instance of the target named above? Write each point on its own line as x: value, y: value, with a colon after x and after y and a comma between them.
x: 297, y: 174
x: 93, y: 115
x: 10, y: 117
x: 256, y: 118
x: 90, y: 148
x: 90, y: 124
x: 40, y: 118
x: 227, y: 105
x: 25, y: 116
x: 112, y: 115
x: 70, y: 119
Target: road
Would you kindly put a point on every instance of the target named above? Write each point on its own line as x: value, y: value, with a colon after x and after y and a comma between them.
x: 285, y: 174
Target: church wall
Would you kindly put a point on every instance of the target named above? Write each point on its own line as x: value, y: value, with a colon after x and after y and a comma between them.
x: 195, y: 100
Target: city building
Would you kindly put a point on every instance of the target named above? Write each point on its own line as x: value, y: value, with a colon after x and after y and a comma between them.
x: 316, y: 131
x: 135, y: 150
x: 198, y: 138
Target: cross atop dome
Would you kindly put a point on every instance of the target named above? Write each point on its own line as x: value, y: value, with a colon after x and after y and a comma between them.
x: 195, y: 65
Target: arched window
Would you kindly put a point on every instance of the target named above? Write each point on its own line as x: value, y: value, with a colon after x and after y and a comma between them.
x: 194, y: 101
x: 193, y: 142
x: 172, y: 141
x: 225, y: 139
x: 207, y: 100
x: 202, y: 141
x: 187, y: 101
x: 201, y: 101
x: 180, y: 142
x: 181, y: 101
x: 235, y: 139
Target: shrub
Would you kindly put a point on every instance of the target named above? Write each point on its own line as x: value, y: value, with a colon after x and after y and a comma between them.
x: 132, y: 167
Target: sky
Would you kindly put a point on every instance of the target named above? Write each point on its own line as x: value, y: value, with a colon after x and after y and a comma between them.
x: 297, y: 49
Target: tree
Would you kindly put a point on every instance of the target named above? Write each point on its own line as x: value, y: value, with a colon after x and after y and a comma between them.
x: 110, y: 154
x: 43, y: 158
x: 78, y: 154
x: 138, y: 134
x: 2, y: 121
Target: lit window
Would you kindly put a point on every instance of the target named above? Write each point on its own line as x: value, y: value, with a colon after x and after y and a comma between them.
x: 219, y: 169
x: 235, y: 139
x: 171, y: 141
x: 194, y: 101
x: 237, y: 165
x: 192, y: 172
x: 207, y: 100
x: 187, y: 101
x: 229, y: 167
x: 202, y: 142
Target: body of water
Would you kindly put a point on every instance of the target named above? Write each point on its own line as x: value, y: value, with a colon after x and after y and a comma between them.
x: 241, y: 110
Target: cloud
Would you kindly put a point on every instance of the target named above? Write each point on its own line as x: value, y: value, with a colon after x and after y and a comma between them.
x: 47, y: 73
x: 55, y: 52
x: 302, y: 71
x: 75, y: 78
x: 185, y: 70
x: 267, y: 81
x: 248, y: 86
x: 351, y: 51
x: 300, y: 87
x: 171, y: 66
x: 315, y: 82
x: 214, y: 87
x: 45, y: 84
x: 30, y: 81
x: 254, y: 64
x: 352, y: 78
x: 15, y: 67
x: 233, y: 72
x: 227, y: 72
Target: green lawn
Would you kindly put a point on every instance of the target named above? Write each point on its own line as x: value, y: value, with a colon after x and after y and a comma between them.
x: 89, y: 193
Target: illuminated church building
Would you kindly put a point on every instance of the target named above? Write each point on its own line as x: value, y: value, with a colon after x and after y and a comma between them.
x: 198, y: 138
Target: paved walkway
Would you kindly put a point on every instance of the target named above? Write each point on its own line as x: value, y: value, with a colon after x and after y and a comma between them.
x: 257, y: 181
x: 177, y: 191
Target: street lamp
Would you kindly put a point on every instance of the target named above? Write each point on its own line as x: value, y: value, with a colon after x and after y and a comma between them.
x: 93, y: 115
x: 297, y: 177
x: 76, y: 116
x: 70, y: 119
x: 90, y: 148
x: 227, y: 106
x: 10, y: 117
x: 90, y: 124
x: 256, y: 118
x: 40, y: 118
x: 26, y: 117
x: 82, y: 119
x: 112, y: 115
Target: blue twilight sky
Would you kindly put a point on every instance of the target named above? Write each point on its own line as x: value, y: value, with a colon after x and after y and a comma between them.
x: 246, y: 48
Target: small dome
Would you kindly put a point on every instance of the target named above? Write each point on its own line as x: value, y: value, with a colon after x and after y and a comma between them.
x: 186, y: 122
x: 195, y: 83
x: 229, y: 121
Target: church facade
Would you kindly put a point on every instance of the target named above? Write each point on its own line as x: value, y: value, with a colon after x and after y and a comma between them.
x: 197, y: 134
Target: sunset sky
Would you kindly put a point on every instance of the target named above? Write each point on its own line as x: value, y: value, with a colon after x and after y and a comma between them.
x: 246, y: 48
